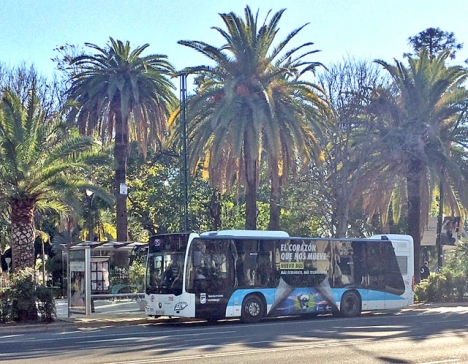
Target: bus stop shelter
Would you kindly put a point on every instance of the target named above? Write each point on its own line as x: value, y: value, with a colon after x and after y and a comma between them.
x: 88, y: 273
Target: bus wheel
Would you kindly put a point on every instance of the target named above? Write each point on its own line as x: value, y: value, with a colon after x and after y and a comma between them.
x: 252, y: 309
x: 350, y: 304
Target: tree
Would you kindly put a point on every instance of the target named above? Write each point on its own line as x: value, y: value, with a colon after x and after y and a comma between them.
x: 299, y: 122
x: 435, y: 41
x: 42, y: 168
x: 124, y: 95
x: 348, y: 86
x: 22, y: 78
x: 249, y: 101
x: 418, y: 120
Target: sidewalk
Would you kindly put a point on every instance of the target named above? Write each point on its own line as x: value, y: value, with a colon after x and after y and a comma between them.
x: 128, y: 312
x: 107, y: 313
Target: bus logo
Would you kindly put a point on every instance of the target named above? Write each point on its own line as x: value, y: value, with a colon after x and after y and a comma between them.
x: 202, y: 298
x: 291, y: 265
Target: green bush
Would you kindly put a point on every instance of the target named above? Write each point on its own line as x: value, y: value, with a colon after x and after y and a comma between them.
x: 46, y: 303
x: 4, y: 306
x: 446, y: 286
x: 451, y: 283
x: 25, y: 301
x: 421, y: 291
x: 137, y: 276
x: 21, y: 296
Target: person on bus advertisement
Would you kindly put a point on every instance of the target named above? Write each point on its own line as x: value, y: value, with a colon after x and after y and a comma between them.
x: 304, y: 263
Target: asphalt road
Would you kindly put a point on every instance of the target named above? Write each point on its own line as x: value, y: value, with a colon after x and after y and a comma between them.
x: 433, y: 335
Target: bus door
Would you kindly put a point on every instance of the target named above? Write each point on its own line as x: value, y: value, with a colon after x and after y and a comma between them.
x: 384, y: 280
x: 398, y: 283
x: 375, y: 278
x: 212, y: 276
x: 399, y: 270
x: 370, y: 273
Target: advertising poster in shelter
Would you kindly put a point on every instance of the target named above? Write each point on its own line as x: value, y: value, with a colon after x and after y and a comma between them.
x: 77, y: 287
x: 430, y: 232
x: 99, y: 274
x: 450, y: 231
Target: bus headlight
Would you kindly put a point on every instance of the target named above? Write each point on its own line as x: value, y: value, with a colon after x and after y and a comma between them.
x: 180, y: 306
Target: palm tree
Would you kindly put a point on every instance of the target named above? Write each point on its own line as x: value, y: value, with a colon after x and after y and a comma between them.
x: 124, y: 96
x: 237, y: 111
x: 299, y: 120
x: 420, y: 132
x: 41, y: 168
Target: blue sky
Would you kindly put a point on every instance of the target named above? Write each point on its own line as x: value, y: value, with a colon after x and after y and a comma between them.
x: 363, y: 29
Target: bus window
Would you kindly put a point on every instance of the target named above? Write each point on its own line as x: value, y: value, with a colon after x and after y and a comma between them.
x: 211, y: 268
x: 360, y: 275
x: 343, y: 268
x: 246, y: 264
x: 394, y: 282
x: 265, y: 268
x: 172, y: 275
x: 164, y: 273
x: 376, y: 262
x: 403, y: 264
x: 156, y: 271
x: 241, y: 270
x: 197, y: 255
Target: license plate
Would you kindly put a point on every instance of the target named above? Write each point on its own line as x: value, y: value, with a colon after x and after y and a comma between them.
x: 159, y: 312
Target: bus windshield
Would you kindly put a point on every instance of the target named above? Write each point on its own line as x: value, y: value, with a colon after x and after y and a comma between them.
x: 165, y: 262
x: 164, y: 272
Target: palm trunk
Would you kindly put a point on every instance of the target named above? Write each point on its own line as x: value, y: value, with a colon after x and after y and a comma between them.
x: 251, y: 196
x: 120, y: 156
x: 22, y: 234
x: 413, y: 181
x: 250, y: 188
x: 275, y: 195
x: 215, y: 209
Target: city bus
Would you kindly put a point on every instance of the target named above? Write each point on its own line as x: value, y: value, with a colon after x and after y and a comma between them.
x: 255, y: 274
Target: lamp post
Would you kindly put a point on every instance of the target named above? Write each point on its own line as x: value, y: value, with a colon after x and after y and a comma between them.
x: 8, y: 261
x: 184, y: 152
x: 90, y: 195
x: 440, y: 217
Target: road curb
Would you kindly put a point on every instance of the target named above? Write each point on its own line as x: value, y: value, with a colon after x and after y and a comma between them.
x: 13, y: 327
x: 112, y: 321
x: 72, y: 322
x: 128, y: 320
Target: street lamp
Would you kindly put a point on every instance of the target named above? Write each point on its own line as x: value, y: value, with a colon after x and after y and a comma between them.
x: 8, y: 261
x: 90, y: 195
x: 184, y: 153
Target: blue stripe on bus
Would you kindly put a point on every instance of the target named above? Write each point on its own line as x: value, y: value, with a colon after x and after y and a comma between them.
x: 370, y: 295
x: 269, y: 294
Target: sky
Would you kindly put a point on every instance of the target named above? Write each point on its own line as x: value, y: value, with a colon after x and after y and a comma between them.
x: 361, y: 29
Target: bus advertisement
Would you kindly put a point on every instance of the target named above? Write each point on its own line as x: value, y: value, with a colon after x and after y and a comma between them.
x: 256, y: 274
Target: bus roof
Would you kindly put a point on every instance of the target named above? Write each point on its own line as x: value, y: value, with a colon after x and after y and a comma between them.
x: 247, y: 233
x: 394, y: 237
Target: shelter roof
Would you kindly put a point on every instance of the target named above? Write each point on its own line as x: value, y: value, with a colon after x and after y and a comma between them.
x: 104, y: 245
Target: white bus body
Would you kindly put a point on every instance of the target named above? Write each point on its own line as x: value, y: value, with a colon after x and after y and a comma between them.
x: 253, y: 274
